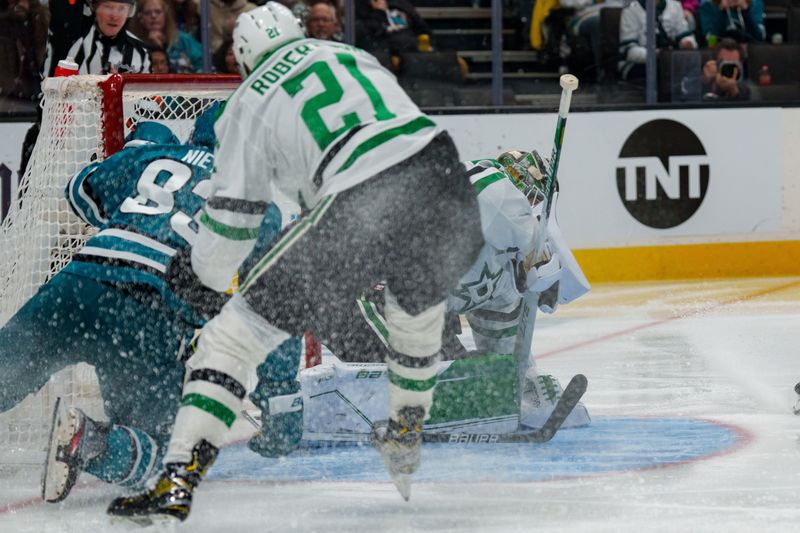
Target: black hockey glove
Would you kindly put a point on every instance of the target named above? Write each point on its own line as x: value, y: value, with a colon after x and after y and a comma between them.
x: 188, y: 287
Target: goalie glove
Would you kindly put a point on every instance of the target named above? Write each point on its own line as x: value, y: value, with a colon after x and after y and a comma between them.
x: 543, y: 279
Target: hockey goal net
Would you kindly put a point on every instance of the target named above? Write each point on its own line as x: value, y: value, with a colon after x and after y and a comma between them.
x: 85, y: 118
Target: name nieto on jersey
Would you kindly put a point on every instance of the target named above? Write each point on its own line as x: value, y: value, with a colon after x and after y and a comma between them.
x: 199, y: 158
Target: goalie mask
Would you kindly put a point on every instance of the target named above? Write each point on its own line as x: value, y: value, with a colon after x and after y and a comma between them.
x: 528, y: 172
x: 262, y: 30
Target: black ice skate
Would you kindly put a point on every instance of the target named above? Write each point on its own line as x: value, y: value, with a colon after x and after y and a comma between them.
x: 170, y: 499
x: 74, y: 439
x: 399, y: 443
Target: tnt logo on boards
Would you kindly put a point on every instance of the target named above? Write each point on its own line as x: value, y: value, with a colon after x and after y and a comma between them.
x: 662, y: 173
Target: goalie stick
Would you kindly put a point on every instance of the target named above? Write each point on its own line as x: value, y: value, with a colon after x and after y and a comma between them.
x: 569, y: 399
x: 530, y: 301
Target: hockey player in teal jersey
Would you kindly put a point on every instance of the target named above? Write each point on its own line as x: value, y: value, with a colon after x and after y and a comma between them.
x: 114, y: 307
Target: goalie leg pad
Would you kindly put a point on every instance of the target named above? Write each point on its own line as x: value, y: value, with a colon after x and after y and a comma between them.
x: 540, y: 394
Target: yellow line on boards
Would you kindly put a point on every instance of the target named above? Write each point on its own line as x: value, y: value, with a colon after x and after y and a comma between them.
x: 686, y: 261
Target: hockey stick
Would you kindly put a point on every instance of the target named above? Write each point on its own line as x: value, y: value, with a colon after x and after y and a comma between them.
x: 569, y: 399
x: 530, y: 300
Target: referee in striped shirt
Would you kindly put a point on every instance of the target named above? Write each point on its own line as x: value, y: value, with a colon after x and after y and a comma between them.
x: 107, y: 46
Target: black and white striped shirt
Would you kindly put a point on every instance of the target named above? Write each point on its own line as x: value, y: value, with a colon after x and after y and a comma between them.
x: 96, y: 54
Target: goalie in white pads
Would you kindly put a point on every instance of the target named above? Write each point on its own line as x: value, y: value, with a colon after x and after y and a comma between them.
x: 477, y: 390
x: 324, y: 123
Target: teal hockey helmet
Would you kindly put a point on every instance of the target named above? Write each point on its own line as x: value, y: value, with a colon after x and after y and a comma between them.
x: 527, y: 170
x: 149, y: 132
x: 203, y: 131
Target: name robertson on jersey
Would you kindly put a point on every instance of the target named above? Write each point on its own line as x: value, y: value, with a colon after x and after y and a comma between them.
x: 277, y: 71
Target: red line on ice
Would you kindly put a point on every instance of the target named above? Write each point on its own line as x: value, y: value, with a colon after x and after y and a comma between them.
x: 654, y: 323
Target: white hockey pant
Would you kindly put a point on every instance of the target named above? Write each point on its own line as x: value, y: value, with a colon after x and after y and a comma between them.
x: 231, y: 346
x: 415, y: 342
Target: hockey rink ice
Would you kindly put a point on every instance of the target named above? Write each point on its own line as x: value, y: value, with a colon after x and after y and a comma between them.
x: 691, y: 395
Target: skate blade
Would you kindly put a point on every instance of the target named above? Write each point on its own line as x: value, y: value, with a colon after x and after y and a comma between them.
x: 54, y: 470
x: 403, y: 484
x: 159, y: 522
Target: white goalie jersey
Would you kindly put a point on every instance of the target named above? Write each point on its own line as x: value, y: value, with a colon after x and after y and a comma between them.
x: 489, y: 294
x: 300, y: 124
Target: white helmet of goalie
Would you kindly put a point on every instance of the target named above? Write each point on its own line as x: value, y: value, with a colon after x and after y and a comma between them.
x: 262, y: 30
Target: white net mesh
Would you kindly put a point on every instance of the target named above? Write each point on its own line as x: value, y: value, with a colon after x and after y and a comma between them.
x: 40, y: 234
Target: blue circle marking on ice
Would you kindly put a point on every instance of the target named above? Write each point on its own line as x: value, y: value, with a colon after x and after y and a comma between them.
x: 608, y: 445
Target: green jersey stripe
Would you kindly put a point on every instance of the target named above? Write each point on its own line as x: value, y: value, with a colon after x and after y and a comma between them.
x: 408, y: 128
x: 416, y: 385
x: 374, y: 319
x: 229, y: 232
x: 482, y: 183
x: 210, y: 406
x: 493, y: 333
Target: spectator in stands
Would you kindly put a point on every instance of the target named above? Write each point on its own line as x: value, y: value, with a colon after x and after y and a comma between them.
x: 23, y: 40
x: 391, y: 26
x: 159, y: 61
x: 742, y: 20
x: 187, y: 16
x: 723, y: 77
x: 584, y: 29
x: 224, y: 60
x: 322, y: 23
x: 672, y: 30
x: 108, y: 46
x: 154, y: 23
x: 223, y: 17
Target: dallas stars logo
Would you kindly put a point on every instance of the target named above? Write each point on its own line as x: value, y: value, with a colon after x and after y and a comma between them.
x: 479, y: 291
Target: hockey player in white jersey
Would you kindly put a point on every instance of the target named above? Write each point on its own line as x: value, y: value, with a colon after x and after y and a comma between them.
x: 387, y: 199
x: 477, y: 390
